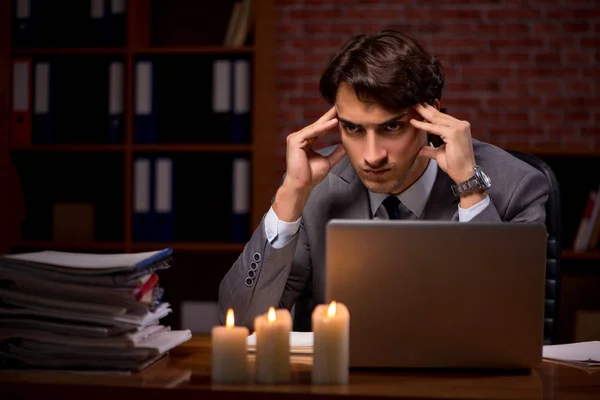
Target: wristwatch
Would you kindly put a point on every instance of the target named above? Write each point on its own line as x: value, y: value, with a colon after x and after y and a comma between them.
x: 479, y: 180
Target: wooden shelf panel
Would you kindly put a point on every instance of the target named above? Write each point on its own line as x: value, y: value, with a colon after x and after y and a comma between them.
x: 569, y: 254
x: 49, y: 244
x: 176, y: 148
x: 120, y: 246
x: 68, y: 51
x: 194, y: 50
x: 92, y: 148
x: 190, y: 246
x: 183, y: 148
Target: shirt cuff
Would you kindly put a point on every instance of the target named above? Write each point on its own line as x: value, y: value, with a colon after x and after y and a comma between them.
x: 279, y: 233
x: 467, y: 214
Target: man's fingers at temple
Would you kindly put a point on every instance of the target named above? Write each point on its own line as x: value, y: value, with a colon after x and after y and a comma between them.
x: 431, y: 128
x: 317, y: 129
x: 328, y: 115
x: 433, y: 115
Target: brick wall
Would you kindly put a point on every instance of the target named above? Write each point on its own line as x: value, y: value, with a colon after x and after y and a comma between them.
x: 522, y: 72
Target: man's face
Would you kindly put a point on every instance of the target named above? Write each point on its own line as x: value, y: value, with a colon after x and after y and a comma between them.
x: 381, y: 144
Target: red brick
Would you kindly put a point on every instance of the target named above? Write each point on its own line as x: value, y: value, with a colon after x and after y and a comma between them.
x: 517, y: 57
x: 547, y: 58
x: 577, y: 116
x: 456, y: 59
x: 449, y: 44
x: 289, y: 29
x: 317, y: 28
x: 469, y: 102
x: 577, y: 14
x: 513, y: 29
x: 526, y: 72
x: 287, y: 87
x: 577, y: 27
x: 487, y: 29
x: 485, y: 58
x: 313, y: 15
x: 579, y: 57
x: 552, y: 87
x: 515, y: 43
x: 511, y: 102
x: 546, y: 28
x: 513, y: 14
x: 590, y: 43
x: 369, y: 14
x: 486, y: 72
x: 298, y: 72
x: 454, y: 13
x: 590, y: 132
x: 310, y: 87
x: 541, y: 117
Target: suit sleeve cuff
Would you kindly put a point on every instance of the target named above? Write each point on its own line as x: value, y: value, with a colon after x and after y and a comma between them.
x: 279, y: 233
x: 467, y: 214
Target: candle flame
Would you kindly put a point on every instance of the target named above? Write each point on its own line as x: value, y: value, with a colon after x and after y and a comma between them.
x: 230, y: 320
x: 331, y: 310
x: 272, y: 316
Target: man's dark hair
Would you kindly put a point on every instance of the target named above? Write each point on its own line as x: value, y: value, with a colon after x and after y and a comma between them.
x: 388, y: 68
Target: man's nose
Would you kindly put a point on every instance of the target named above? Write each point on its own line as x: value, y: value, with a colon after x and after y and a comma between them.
x: 374, y: 154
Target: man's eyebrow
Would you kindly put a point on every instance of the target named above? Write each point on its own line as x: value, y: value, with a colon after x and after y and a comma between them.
x: 389, y: 121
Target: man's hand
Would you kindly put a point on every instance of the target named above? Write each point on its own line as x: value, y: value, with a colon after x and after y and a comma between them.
x: 455, y: 156
x: 305, y: 168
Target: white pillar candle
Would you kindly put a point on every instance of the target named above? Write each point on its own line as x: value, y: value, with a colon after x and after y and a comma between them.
x: 229, y: 352
x: 273, y: 346
x: 331, y: 329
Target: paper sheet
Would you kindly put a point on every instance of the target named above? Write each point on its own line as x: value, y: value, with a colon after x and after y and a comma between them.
x: 580, y: 353
x: 300, y: 342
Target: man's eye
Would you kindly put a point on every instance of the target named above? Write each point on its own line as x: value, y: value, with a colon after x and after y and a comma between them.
x: 393, y: 127
x: 351, y: 128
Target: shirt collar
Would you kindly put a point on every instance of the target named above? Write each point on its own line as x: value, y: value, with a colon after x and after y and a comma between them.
x: 415, y: 196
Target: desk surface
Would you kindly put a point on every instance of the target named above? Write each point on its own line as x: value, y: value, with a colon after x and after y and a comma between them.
x: 186, y: 372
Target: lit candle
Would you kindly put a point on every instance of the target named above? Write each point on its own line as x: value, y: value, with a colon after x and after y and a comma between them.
x: 331, y: 329
x: 229, y: 352
x: 273, y: 346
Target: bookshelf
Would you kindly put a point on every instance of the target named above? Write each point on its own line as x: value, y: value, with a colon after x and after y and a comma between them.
x: 181, y: 35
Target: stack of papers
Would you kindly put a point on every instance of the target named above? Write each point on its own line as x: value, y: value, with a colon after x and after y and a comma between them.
x: 84, y: 311
x: 583, y: 354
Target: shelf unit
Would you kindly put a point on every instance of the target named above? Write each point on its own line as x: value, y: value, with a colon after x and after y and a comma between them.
x: 201, y: 261
x: 139, y: 42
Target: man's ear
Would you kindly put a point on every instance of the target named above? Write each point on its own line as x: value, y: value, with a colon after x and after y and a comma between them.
x: 436, y: 104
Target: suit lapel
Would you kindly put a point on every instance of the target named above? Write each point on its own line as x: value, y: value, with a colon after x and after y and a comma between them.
x: 442, y: 204
x: 349, y: 197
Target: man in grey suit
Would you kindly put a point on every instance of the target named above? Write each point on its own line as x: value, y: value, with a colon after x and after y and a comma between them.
x: 385, y: 92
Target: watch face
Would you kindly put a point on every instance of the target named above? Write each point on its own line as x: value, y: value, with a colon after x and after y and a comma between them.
x: 483, y: 178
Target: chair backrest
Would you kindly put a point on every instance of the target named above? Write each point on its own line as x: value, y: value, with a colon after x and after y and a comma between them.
x: 553, y: 225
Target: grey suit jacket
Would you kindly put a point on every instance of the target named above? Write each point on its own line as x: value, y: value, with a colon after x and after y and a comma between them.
x: 263, y: 276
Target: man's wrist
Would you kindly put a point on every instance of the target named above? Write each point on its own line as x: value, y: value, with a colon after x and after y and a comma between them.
x: 289, y: 203
x: 468, y: 200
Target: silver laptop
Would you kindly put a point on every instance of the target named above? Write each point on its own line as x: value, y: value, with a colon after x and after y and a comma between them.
x: 439, y: 294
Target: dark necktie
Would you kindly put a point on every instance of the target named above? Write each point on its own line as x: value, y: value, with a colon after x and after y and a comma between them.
x: 397, y: 210
x: 391, y: 204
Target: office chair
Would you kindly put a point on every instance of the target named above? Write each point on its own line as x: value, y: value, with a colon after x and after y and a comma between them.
x: 553, y: 225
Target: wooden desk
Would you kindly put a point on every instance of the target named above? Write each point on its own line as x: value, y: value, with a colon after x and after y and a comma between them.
x: 185, y: 374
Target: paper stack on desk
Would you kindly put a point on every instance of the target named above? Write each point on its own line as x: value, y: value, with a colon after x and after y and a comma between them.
x: 84, y: 311
x: 585, y: 354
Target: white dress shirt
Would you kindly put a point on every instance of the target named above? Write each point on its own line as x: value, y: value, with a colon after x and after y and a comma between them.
x: 279, y: 233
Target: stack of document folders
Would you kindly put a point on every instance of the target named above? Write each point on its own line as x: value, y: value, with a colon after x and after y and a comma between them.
x: 80, y: 311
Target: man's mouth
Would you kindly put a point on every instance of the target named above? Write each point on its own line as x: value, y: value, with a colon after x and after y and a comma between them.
x: 376, y: 172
